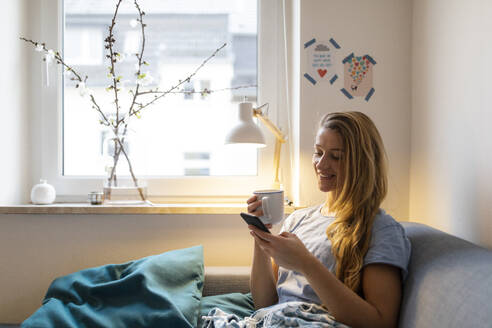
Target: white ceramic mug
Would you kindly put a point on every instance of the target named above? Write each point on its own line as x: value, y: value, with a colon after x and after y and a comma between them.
x: 272, y: 203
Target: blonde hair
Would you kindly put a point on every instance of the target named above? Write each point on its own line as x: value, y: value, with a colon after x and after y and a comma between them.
x: 357, y: 198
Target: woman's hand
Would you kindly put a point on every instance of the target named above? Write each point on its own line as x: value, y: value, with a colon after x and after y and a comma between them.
x: 254, y: 206
x: 286, y: 249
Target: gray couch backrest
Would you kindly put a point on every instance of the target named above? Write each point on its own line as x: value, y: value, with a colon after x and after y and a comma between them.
x: 449, y: 283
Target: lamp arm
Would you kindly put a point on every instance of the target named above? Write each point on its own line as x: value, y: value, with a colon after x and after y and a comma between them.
x: 280, y: 139
x: 276, y: 164
x: 272, y: 127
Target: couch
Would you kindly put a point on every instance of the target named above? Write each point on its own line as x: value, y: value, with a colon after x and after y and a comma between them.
x: 449, y: 282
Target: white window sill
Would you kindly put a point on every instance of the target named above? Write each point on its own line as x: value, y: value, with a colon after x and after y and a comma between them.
x: 156, y: 208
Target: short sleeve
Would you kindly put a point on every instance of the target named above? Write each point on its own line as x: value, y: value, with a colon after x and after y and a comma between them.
x: 390, y: 245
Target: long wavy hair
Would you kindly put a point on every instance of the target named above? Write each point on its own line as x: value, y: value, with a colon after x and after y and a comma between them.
x: 356, y: 200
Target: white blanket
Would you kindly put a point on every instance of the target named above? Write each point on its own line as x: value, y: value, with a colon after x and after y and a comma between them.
x: 289, y: 314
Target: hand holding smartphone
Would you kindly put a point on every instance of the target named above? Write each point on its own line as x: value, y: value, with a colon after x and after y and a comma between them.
x: 254, y: 220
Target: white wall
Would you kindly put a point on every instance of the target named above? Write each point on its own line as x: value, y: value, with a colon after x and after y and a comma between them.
x: 451, y: 177
x: 15, y: 176
x: 382, y: 30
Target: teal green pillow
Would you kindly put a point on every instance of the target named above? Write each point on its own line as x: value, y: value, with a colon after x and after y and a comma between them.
x: 233, y: 303
x: 157, y: 291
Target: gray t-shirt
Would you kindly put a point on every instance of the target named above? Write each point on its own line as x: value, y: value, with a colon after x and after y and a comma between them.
x: 389, y: 244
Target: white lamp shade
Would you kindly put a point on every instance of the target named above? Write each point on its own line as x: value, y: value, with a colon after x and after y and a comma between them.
x: 246, y: 132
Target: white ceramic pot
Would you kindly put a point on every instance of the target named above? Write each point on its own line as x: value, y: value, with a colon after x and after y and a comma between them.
x: 43, y: 193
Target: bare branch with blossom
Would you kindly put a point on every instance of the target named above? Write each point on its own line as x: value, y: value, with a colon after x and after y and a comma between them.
x: 180, y: 82
x: 109, y: 45
x: 76, y: 76
x: 202, y: 92
x: 139, y: 56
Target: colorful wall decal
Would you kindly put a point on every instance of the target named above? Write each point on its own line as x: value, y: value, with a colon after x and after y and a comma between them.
x: 321, y: 60
x: 358, y: 73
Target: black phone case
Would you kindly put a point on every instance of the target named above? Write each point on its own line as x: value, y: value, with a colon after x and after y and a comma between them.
x: 254, y: 220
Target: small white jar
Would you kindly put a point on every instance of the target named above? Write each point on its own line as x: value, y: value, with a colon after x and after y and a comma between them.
x: 43, y: 193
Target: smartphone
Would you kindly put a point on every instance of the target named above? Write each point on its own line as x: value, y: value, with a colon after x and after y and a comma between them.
x: 254, y: 220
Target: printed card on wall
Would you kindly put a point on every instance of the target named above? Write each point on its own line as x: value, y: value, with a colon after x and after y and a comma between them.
x: 358, y: 76
x: 322, y: 61
x: 322, y: 57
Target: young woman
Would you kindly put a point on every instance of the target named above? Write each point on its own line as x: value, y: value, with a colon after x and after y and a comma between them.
x: 347, y: 254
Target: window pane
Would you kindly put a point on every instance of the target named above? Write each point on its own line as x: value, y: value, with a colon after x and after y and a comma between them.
x: 181, y: 133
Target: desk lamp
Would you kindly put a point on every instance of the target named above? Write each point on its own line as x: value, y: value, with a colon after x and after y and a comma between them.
x: 247, y: 132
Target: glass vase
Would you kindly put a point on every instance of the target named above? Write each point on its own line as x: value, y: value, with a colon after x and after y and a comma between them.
x: 123, y: 184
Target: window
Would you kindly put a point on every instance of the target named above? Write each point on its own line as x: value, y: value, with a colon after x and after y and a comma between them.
x: 131, y: 41
x: 84, y: 45
x: 178, y: 38
x: 188, y: 90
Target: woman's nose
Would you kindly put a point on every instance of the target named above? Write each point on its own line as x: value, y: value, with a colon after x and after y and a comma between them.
x: 322, y: 163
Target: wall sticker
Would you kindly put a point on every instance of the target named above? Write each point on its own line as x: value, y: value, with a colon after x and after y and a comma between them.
x: 322, y: 57
x: 358, y: 81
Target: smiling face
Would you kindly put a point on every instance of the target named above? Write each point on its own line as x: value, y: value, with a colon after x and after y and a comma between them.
x: 327, y: 159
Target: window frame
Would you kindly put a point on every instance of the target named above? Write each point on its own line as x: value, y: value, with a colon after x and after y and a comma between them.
x: 50, y: 143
